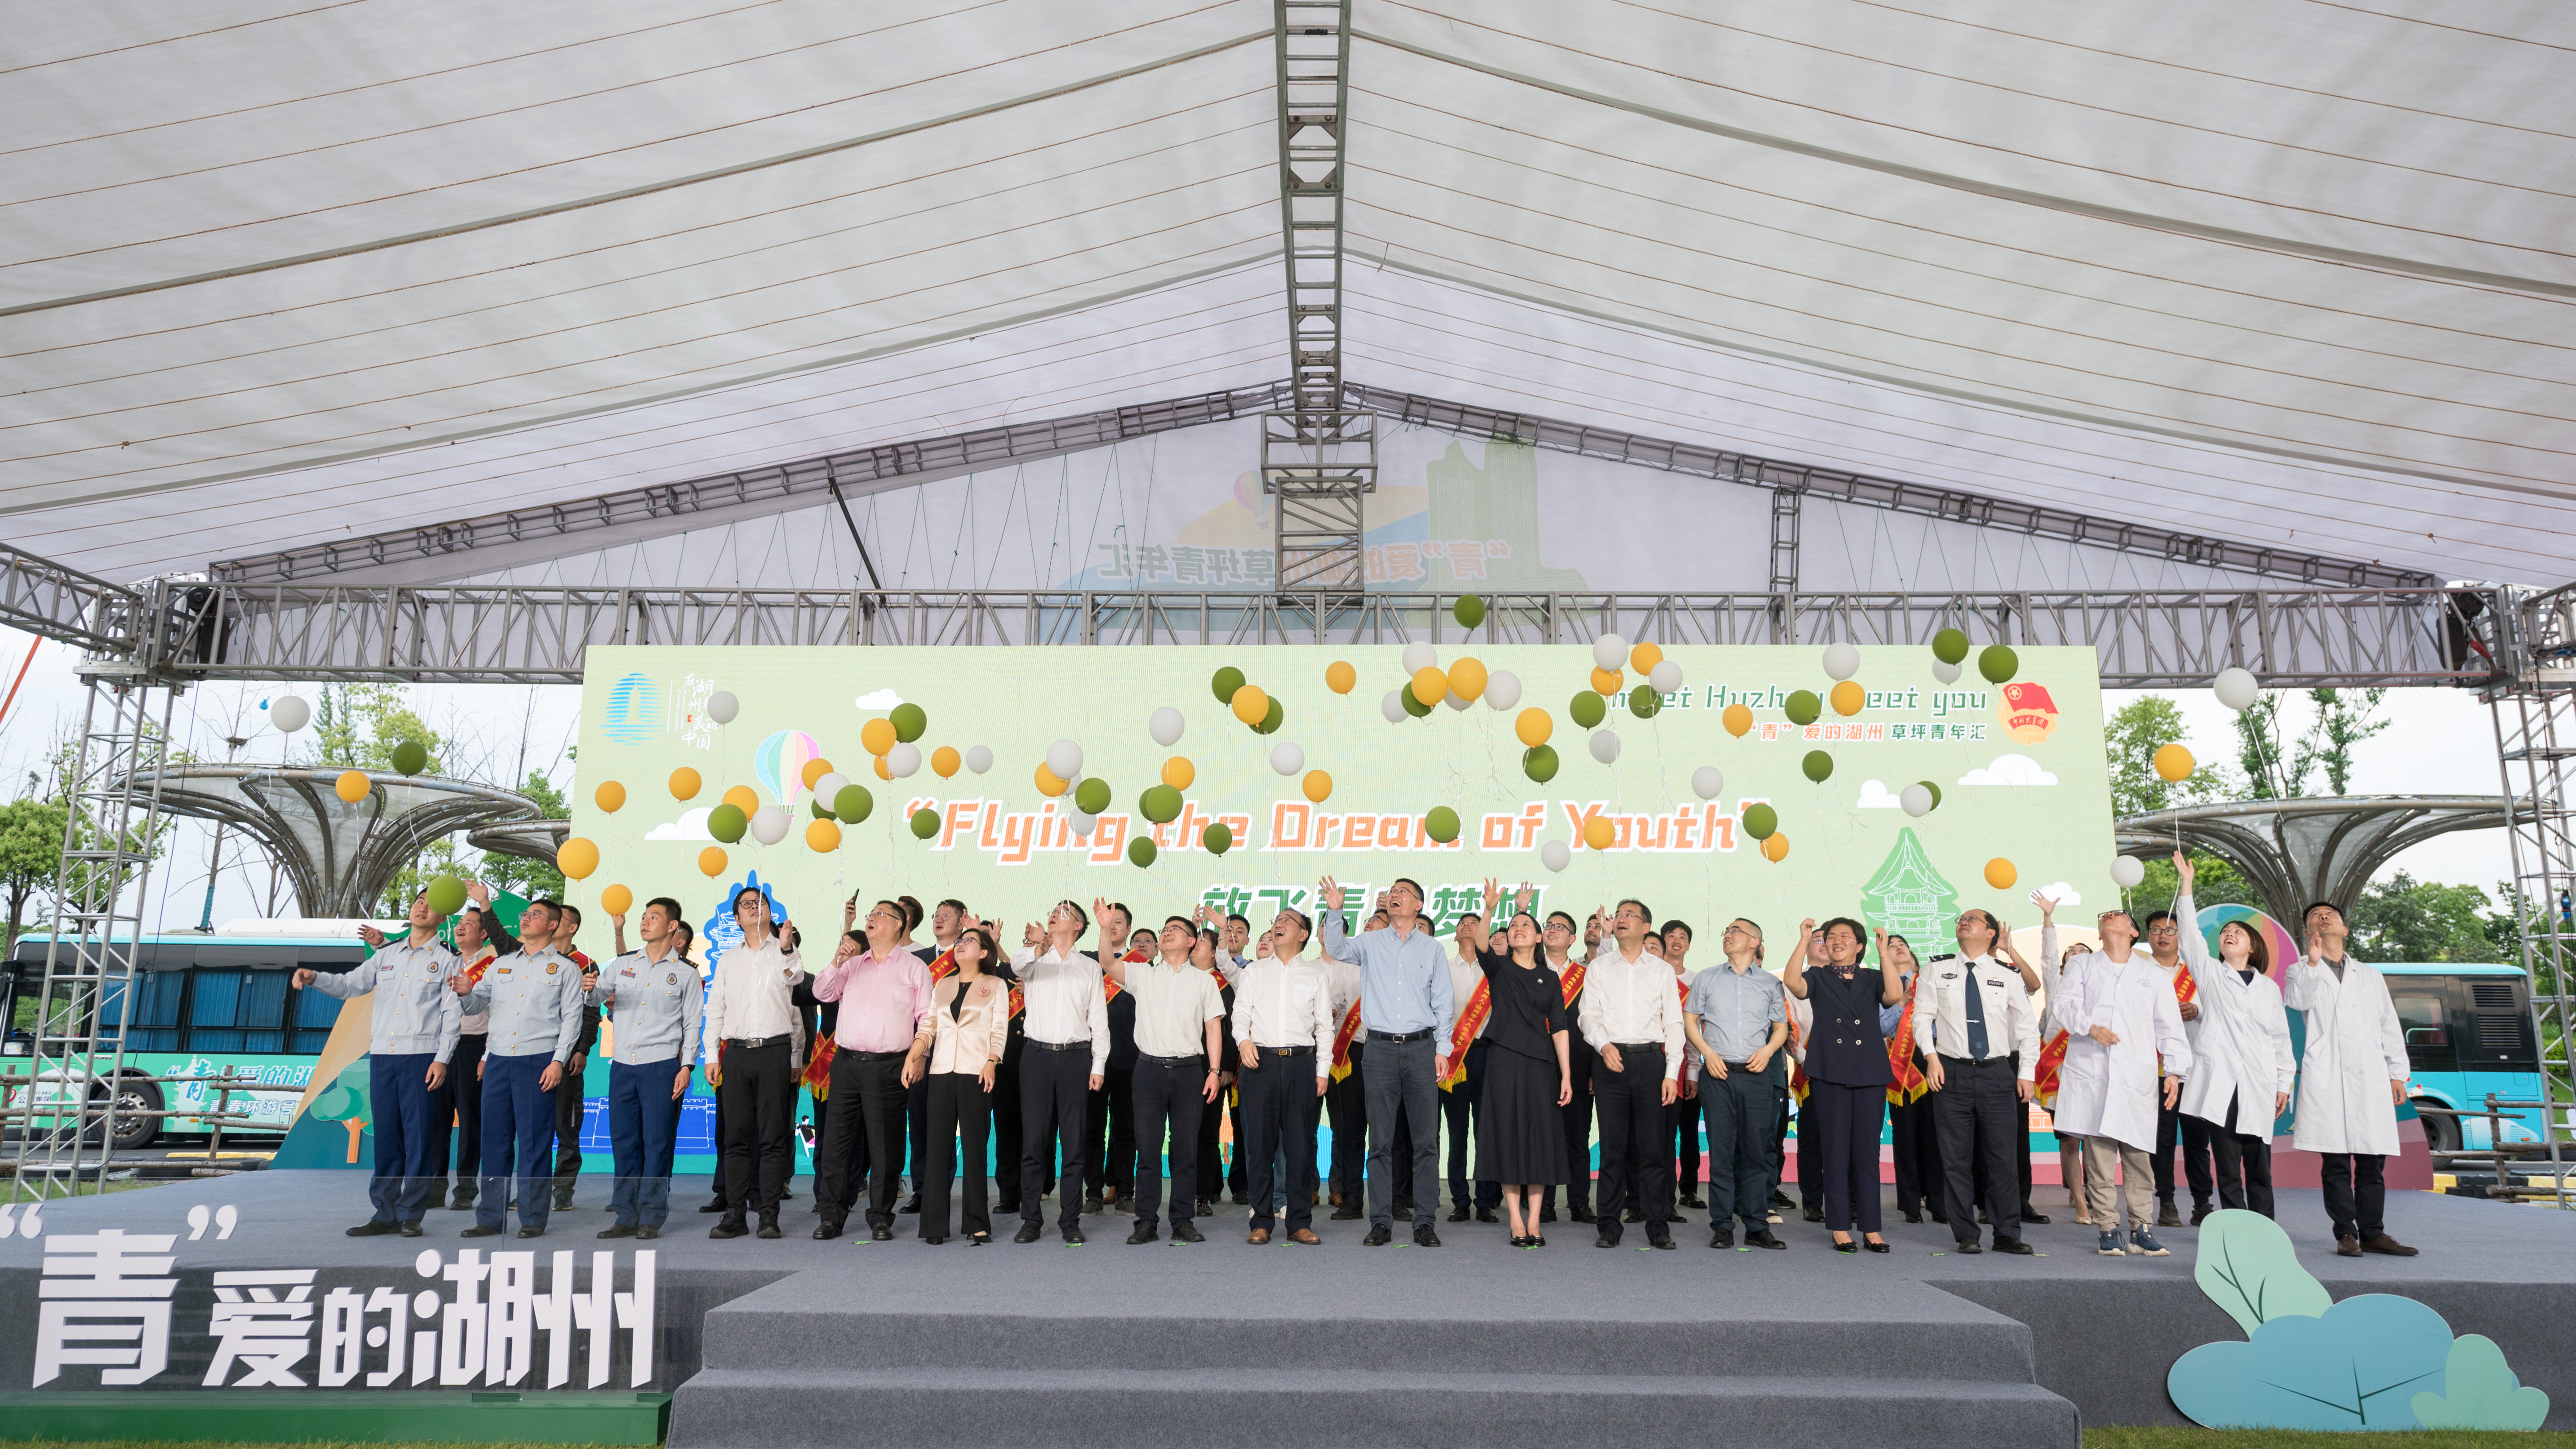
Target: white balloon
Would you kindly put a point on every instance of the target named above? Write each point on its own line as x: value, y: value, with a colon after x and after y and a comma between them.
x: 1455, y: 702
x: 1706, y: 781
x: 1502, y: 689
x: 289, y: 713
x: 1287, y: 757
x: 1917, y: 799
x: 1065, y: 758
x: 829, y: 788
x: 1666, y: 677
x: 979, y: 758
x: 903, y: 759
x: 1419, y: 656
x: 1946, y: 673
x: 1393, y: 707
x: 2236, y: 688
x: 1165, y: 725
x: 2128, y: 870
x: 1842, y: 661
x: 722, y: 706
x: 1610, y: 652
x: 1605, y: 746
x: 1082, y: 824
x: 1556, y: 855
x: 769, y: 824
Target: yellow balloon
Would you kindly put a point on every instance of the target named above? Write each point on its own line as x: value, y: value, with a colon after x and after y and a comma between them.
x: 1645, y: 657
x: 1178, y: 773
x: 743, y: 798
x: 1605, y: 681
x: 1048, y: 784
x: 1319, y: 786
x: 1430, y: 685
x: 577, y: 858
x: 823, y: 836
x: 1533, y: 727
x: 610, y: 796
x: 1848, y: 697
x: 352, y: 786
x: 617, y: 900
x: 684, y: 784
x: 712, y: 860
x: 1340, y: 676
x: 877, y: 735
x: 1251, y: 705
x: 2000, y: 873
x: 1775, y: 847
x: 882, y: 772
x: 815, y: 769
x: 945, y: 760
x: 1598, y: 832
x: 1467, y: 679
x: 1737, y: 718
x: 2174, y: 763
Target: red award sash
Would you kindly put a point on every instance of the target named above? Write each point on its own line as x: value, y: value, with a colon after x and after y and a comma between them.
x: 1342, y: 1041
x: 1574, y: 973
x: 1471, y: 1020
x: 942, y: 965
x: 1907, y: 1082
x: 2044, y: 1073
x: 1797, y: 1068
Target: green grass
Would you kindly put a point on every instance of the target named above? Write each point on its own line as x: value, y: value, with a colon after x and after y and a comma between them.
x: 11, y: 1192
x: 2169, y: 1438
x: 225, y: 1444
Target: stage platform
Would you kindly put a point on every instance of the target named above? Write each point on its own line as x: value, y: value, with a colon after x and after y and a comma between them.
x: 791, y: 1343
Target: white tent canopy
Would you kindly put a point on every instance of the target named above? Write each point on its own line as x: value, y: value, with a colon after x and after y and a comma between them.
x: 273, y: 274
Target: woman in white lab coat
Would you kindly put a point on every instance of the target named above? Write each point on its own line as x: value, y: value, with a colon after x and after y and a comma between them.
x: 2242, y: 1068
x: 2119, y: 1014
x: 2351, y: 1079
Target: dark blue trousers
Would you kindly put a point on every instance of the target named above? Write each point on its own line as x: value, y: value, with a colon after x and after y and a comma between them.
x: 643, y: 1130
x: 518, y: 1129
x: 398, y: 1088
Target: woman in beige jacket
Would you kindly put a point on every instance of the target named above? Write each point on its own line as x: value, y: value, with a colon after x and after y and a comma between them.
x: 970, y: 1014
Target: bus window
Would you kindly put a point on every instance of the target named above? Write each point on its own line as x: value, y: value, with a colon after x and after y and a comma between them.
x: 315, y: 1013
x: 155, y: 1027
x: 237, y: 1011
x: 2497, y: 1034
x: 2428, y: 1036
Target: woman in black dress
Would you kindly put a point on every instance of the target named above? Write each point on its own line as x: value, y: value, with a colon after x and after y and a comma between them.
x: 1847, y: 1070
x: 1520, y: 1131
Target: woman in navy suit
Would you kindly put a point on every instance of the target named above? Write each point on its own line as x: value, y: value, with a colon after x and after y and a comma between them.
x: 1847, y: 1071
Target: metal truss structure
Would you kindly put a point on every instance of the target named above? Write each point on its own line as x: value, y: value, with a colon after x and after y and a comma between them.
x: 2535, y: 726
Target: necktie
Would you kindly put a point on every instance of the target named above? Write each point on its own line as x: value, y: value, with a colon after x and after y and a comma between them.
x: 1976, y: 1019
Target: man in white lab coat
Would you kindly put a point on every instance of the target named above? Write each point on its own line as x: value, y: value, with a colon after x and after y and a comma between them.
x: 2351, y: 1079
x: 2119, y: 1013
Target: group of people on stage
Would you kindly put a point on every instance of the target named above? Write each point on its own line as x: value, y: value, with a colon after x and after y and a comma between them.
x: 1097, y: 1050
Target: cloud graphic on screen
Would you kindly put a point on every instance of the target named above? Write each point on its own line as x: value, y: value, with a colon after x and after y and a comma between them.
x: 878, y: 699
x: 1874, y: 795
x: 692, y: 825
x: 2009, y: 770
x: 2062, y: 893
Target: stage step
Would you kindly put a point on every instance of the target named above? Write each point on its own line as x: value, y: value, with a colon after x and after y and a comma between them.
x: 984, y: 1399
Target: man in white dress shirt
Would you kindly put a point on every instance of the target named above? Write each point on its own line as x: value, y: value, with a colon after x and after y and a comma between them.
x: 1632, y: 1015
x: 1178, y: 1064
x: 2120, y: 1016
x: 751, y: 1018
x: 1065, y: 1020
x: 1283, y: 1031
x: 1460, y: 1095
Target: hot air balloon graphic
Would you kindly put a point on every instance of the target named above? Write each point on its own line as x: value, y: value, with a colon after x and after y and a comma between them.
x: 780, y: 764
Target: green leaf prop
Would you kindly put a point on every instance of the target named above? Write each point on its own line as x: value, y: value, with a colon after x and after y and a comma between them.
x: 2248, y: 1268
x: 2479, y: 1392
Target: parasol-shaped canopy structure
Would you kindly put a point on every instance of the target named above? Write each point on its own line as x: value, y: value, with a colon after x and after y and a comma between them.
x: 2318, y: 849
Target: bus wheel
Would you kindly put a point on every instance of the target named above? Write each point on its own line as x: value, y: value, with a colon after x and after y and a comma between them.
x: 137, y: 1095
x: 2441, y: 1134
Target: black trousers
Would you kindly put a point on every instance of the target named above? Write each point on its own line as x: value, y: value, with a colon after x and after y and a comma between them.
x: 867, y: 1102
x: 1237, y: 1177
x: 959, y: 1109
x: 1979, y: 1112
x: 1850, y: 1116
x: 1633, y: 1138
x: 1400, y: 1142
x: 1278, y: 1097
x: 1211, y: 1150
x: 1740, y: 1111
x: 758, y: 1096
x: 1459, y: 1107
x: 2244, y: 1165
x: 1111, y: 1124
x: 2356, y: 1195
x: 1347, y: 1102
x: 1578, y: 1144
x: 570, y: 1107
x: 456, y: 1111
x: 1917, y: 1142
x: 2019, y: 1147
x: 1054, y: 1111
x: 1006, y: 1132
x: 1811, y: 1152
x: 854, y: 1171
x: 916, y: 1116
x: 2174, y: 1125
x: 1170, y: 1101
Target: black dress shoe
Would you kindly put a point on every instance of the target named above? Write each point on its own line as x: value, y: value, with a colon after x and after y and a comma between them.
x: 1547, y: 1213
x: 1634, y: 1214
x: 2031, y: 1214
x: 1581, y: 1214
x: 911, y: 1204
x: 719, y: 1205
x: 1608, y: 1238
x: 1655, y: 1238
x: 532, y: 1232
x: 933, y: 1241
x: 1940, y: 1217
x: 1520, y: 1242
x: 1813, y: 1214
x: 1202, y: 1208
x: 1348, y: 1212
x: 1847, y: 1246
x: 2167, y: 1215
x: 1404, y: 1208
x: 411, y: 1228
x: 480, y: 1231
x: 1486, y: 1215
x: 1073, y: 1234
x: 1186, y: 1231
x: 1914, y: 1217
x: 768, y: 1225
x: 1970, y: 1247
x: 827, y: 1230
x: 374, y: 1229
x: 462, y: 1202
x: 1691, y: 1200
x: 1722, y: 1238
x: 1091, y: 1206
x: 1763, y: 1239
x: 1870, y: 1247
x: 563, y: 1199
x: 2200, y: 1211
x: 618, y: 1230
x: 1381, y: 1235
x: 648, y: 1233
x: 2010, y: 1245
x: 1981, y: 1216
x: 880, y: 1232
x: 1458, y: 1214
x: 1028, y: 1233
x: 1143, y: 1232
x: 1424, y: 1236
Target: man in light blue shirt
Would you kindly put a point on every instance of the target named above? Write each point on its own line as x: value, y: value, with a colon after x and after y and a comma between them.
x: 1405, y: 1001
x: 412, y: 1028
x: 535, y: 996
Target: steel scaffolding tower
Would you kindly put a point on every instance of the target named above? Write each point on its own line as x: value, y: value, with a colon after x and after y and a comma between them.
x: 2535, y: 728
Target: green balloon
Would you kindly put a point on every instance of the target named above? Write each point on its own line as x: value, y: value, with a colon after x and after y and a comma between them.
x: 1998, y: 663
x: 727, y: 822
x: 1092, y: 796
x: 1587, y: 709
x: 1950, y: 645
x: 1271, y: 721
x: 1761, y: 821
x: 1818, y: 765
x: 1227, y: 681
x: 1936, y: 792
x: 925, y: 823
x: 1140, y: 851
x: 1539, y: 763
x: 853, y: 804
x: 1469, y: 611
x: 446, y: 895
x: 815, y: 803
x: 909, y: 722
x: 1441, y: 824
x: 1160, y: 804
x: 1804, y: 707
x: 1412, y: 706
x: 1217, y: 839
x: 411, y: 757
x: 1644, y: 702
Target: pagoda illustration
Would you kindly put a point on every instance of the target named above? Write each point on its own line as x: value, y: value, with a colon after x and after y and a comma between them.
x: 1909, y: 898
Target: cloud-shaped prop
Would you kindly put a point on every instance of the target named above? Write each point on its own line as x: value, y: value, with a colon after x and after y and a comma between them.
x: 692, y: 825
x: 1874, y: 795
x: 2009, y: 770
x: 2479, y: 1392
x: 880, y: 699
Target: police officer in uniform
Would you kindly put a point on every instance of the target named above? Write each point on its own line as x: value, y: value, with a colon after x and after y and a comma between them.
x: 535, y: 996
x: 1974, y: 1025
x: 411, y: 1033
x: 652, y: 997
